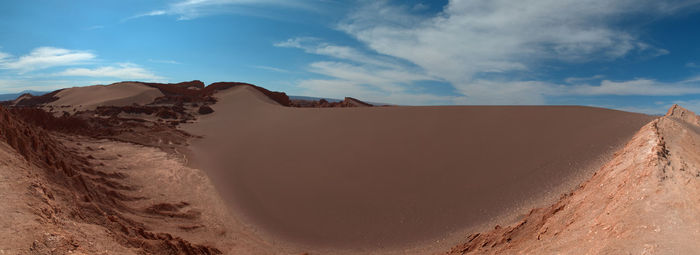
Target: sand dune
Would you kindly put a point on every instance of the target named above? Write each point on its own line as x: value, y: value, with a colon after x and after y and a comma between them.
x: 117, y: 94
x: 378, y: 177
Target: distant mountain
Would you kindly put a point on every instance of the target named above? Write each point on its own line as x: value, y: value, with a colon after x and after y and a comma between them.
x: 12, y: 96
x: 332, y: 100
x: 314, y: 98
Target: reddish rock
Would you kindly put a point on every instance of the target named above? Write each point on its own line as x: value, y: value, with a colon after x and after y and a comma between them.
x: 204, y: 109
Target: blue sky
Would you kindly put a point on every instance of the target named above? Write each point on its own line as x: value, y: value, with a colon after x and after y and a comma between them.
x: 639, y: 55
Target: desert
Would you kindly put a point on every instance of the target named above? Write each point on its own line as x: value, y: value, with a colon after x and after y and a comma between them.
x: 256, y: 176
x: 314, y: 127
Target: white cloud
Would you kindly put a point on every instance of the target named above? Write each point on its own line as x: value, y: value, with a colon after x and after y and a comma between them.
x: 316, y: 46
x: 643, y: 87
x: 380, y: 79
x: 270, y: 68
x: 164, y: 61
x: 489, y: 92
x: 580, y: 79
x: 191, y: 9
x: 478, y: 36
x: 147, y: 14
x: 336, y: 88
x: 354, y: 73
x: 482, y: 48
x: 474, y: 39
x: 368, y: 82
x: 122, y: 71
x: 18, y: 85
x: 384, y: 79
x: 45, y: 57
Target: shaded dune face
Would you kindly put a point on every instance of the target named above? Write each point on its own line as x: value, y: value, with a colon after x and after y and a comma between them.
x: 391, y: 176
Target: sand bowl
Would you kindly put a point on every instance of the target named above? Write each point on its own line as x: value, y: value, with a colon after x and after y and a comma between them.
x: 371, y: 178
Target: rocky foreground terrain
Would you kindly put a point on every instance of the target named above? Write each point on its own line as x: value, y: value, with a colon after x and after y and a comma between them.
x: 110, y: 177
x: 644, y: 201
x: 107, y: 177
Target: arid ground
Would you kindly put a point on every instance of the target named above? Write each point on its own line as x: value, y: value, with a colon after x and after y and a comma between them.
x: 232, y: 168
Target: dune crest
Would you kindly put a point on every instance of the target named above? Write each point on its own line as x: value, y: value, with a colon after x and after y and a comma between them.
x: 117, y: 94
x: 644, y: 201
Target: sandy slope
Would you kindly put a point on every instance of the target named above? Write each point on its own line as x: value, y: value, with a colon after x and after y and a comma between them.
x: 117, y: 94
x: 372, y: 178
x: 644, y: 201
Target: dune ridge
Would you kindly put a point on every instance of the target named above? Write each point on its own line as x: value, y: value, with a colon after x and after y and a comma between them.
x: 118, y: 94
x: 643, y: 201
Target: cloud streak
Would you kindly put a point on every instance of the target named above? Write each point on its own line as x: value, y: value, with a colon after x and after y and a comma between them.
x: 354, y: 73
x: 270, y: 68
x: 121, y: 71
x: 482, y: 47
x: 498, y: 36
x: 638, y: 87
x: 192, y: 9
x: 164, y: 61
x: 45, y: 57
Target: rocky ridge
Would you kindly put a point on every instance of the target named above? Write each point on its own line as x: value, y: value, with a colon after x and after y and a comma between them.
x: 644, y: 201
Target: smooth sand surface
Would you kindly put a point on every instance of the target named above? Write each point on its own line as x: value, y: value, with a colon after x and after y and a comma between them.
x: 118, y: 94
x: 394, y: 176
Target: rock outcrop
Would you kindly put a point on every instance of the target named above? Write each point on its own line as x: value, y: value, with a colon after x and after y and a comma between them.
x: 643, y: 201
x: 94, y: 197
x: 322, y: 103
x: 205, y: 110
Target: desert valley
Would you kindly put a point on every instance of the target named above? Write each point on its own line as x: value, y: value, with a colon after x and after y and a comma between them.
x: 234, y: 168
x: 379, y: 127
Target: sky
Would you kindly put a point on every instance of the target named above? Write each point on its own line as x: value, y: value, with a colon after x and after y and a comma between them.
x: 634, y: 55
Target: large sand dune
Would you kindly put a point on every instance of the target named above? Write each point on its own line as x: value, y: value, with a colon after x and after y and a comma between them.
x: 117, y: 94
x: 378, y: 177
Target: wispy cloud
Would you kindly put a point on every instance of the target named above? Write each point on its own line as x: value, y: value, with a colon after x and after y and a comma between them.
x: 317, y: 46
x: 19, y: 84
x: 481, y: 46
x: 45, y: 57
x: 164, y: 61
x: 122, y: 71
x: 355, y: 73
x: 472, y: 37
x: 95, y: 27
x: 147, y: 14
x: 337, y: 88
x: 640, y: 87
x: 191, y: 9
x: 270, y: 68
x: 580, y: 79
x: 18, y: 76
